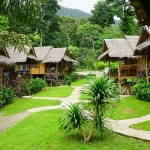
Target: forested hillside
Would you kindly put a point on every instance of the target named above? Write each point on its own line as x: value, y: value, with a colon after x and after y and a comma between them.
x: 75, y: 13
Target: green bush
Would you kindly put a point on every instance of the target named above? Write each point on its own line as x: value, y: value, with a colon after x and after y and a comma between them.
x: 101, y: 65
x: 71, y: 77
x: 34, y: 85
x: 6, y: 96
x: 74, y: 76
x: 142, y: 90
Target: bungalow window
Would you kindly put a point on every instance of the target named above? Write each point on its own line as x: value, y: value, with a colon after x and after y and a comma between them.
x: 32, y: 65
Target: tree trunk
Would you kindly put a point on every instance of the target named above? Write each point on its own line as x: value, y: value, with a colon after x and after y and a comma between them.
x: 83, y: 134
x: 41, y: 32
x: 87, y: 139
x: 41, y: 37
x: 93, y: 43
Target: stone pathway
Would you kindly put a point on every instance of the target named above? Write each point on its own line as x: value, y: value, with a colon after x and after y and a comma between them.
x: 118, y: 126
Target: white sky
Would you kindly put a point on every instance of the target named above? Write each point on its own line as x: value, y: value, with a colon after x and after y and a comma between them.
x: 84, y: 5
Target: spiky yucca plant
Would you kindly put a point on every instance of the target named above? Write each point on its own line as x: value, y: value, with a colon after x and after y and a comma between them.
x: 102, y: 90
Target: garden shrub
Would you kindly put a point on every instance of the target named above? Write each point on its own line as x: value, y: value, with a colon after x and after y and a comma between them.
x: 71, y: 77
x: 74, y: 76
x: 6, y: 96
x: 101, y: 65
x: 142, y: 90
x: 34, y: 85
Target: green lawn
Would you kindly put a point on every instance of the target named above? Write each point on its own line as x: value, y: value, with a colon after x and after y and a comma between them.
x: 142, y: 126
x: 130, y: 107
x: 55, y: 91
x: 21, y: 104
x: 79, y: 82
x: 39, y: 131
x: 84, y: 96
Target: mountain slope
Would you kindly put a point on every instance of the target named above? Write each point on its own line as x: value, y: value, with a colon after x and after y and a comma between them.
x: 75, y: 13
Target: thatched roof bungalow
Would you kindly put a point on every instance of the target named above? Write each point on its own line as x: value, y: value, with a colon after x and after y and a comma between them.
x: 56, y: 55
x: 56, y: 60
x: 143, y: 43
x: 121, y: 49
x: 114, y: 49
x: 143, y: 48
x: 22, y: 60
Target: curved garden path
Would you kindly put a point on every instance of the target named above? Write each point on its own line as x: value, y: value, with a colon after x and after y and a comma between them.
x: 118, y: 126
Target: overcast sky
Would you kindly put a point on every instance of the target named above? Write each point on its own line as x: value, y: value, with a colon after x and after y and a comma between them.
x: 84, y: 5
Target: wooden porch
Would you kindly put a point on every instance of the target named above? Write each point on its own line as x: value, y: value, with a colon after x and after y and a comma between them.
x: 124, y: 71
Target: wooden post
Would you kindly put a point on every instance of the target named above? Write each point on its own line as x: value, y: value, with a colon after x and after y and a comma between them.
x: 146, y: 68
x: 119, y: 76
x: 56, y: 69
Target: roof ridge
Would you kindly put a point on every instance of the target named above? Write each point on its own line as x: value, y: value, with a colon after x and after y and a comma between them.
x: 48, y: 52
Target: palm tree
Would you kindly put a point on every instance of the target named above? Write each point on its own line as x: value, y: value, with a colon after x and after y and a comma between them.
x: 102, y: 90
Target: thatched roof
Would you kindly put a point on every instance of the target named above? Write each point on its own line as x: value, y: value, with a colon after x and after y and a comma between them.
x: 4, y: 57
x: 142, y: 49
x: 5, y: 60
x: 143, y: 44
x: 132, y: 40
x: 19, y: 57
x: 144, y: 35
x: 141, y: 11
x: 114, y: 49
x: 67, y: 58
x: 41, y: 52
x: 55, y: 55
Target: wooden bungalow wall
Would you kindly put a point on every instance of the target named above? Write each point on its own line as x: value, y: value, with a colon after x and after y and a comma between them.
x: 141, y: 63
x: 40, y: 69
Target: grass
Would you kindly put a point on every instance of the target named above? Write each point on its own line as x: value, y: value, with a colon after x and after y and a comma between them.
x: 55, y: 91
x: 79, y: 82
x: 141, y: 126
x: 40, y: 131
x: 84, y: 96
x: 21, y: 104
x: 130, y: 107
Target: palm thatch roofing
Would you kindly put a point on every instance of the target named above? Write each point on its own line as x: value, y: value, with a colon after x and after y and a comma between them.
x: 144, y: 35
x: 142, y: 49
x: 141, y: 10
x: 5, y: 60
x: 41, y: 52
x: 21, y: 57
x: 143, y: 44
x: 115, y: 49
x: 55, y: 55
x: 132, y: 40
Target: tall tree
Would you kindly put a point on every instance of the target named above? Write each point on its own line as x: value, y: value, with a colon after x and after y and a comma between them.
x: 102, y: 14
x: 48, y: 21
x: 68, y: 29
x: 17, y: 12
x: 88, y: 34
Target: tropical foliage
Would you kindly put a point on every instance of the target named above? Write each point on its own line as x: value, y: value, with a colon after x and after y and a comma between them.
x: 101, y: 90
x: 6, y: 96
x: 34, y: 85
x: 142, y: 90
